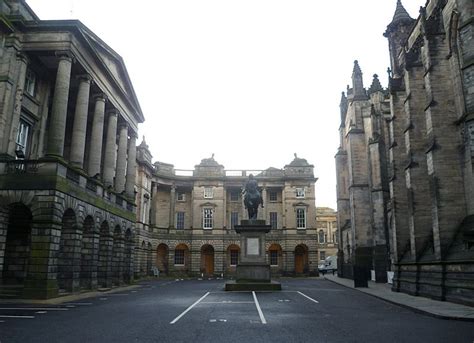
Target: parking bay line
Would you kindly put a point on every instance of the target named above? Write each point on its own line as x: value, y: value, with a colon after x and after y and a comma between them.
x: 188, y: 309
x: 317, y: 302
x: 34, y: 308
x: 19, y: 317
x: 260, y: 313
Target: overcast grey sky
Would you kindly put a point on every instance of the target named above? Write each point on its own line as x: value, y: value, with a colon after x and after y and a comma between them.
x: 252, y: 81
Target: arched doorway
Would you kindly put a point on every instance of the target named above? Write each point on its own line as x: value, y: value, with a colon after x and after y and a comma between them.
x: 149, y: 259
x: 301, y: 259
x: 207, y: 260
x: 17, y: 248
x: 68, y: 260
x: 162, y: 252
x: 105, y: 254
x: 89, y: 254
x: 117, y: 256
x: 128, y: 261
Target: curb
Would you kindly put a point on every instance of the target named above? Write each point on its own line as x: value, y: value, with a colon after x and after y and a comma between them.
x: 414, y: 309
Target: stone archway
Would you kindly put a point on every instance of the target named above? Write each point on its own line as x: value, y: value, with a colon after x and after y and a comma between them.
x: 301, y: 259
x: 207, y: 260
x: 69, y: 256
x: 105, y: 256
x: 162, y: 255
x: 89, y: 254
x: 16, y: 250
x: 117, y: 256
x: 128, y: 258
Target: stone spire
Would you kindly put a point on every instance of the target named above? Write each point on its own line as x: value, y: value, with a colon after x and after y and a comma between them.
x: 375, y: 86
x: 358, y: 83
x: 400, y: 16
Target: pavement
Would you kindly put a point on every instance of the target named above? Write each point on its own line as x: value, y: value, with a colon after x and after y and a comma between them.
x: 435, y: 308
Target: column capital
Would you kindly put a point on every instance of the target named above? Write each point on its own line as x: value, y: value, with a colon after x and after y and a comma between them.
x: 84, y: 78
x: 21, y: 56
x: 132, y: 133
x: 100, y: 97
x: 123, y: 125
x: 65, y: 55
x: 113, y: 112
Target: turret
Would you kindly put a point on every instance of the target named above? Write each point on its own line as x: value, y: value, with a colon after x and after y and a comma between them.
x: 397, y: 33
x: 343, y: 106
x: 358, y: 83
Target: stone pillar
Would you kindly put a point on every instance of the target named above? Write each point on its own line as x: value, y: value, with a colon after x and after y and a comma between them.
x: 264, y: 209
x: 172, y: 205
x: 121, y: 159
x: 110, y: 157
x: 23, y: 63
x: 80, y: 122
x: 131, y: 164
x: 57, y: 126
x: 95, y: 153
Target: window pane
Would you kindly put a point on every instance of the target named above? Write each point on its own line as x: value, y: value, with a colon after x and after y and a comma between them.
x: 179, y: 257
x: 234, y: 196
x: 208, y: 192
x: 234, y: 257
x: 321, y: 236
x: 322, y: 255
x: 273, y: 196
x: 274, y: 220
x: 180, y: 220
x: 207, y: 218
x: 300, y: 192
x: 300, y: 218
x: 234, y: 219
x: 274, y: 257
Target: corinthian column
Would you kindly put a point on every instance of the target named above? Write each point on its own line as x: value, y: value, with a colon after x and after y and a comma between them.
x: 95, y: 152
x: 121, y: 159
x: 110, y: 149
x: 131, y: 162
x: 80, y: 122
x: 57, y: 126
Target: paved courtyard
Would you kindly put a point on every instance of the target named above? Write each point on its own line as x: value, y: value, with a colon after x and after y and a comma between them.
x: 307, y: 310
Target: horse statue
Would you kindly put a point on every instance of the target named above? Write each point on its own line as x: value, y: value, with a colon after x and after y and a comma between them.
x: 252, y: 197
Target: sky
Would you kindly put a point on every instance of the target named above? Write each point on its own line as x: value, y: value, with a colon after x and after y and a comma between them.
x: 251, y: 81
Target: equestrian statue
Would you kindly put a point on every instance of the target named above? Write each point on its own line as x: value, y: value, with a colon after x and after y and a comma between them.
x: 252, y: 197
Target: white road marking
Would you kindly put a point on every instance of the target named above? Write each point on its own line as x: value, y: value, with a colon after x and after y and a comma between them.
x: 212, y: 320
x: 227, y: 302
x: 70, y: 306
x: 19, y: 317
x: 117, y: 294
x: 79, y: 304
x: 317, y: 302
x: 103, y: 299
x: 35, y: 308
x: 189, y: 309
x: 260, y: 313
x: 134, y: 291
x: 41, y: 312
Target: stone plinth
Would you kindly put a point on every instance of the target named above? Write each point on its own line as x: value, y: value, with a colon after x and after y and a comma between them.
x: 253, y: 272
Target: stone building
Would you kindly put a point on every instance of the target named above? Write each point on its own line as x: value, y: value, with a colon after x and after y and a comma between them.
x: 185, y: 219
x: 68, y: 124
x: 416, y: 193
x: 326, y: 224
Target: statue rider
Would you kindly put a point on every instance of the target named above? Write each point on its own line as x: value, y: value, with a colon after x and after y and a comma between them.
x: 252, y: 197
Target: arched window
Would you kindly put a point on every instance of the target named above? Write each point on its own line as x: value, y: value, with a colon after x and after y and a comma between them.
x: 321, y: 236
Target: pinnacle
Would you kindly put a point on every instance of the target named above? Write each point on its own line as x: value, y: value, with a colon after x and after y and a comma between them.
x: 401, y: 13
x: 356, y: 69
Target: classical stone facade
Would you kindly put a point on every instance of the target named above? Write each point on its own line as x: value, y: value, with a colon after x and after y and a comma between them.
x: 68, y: 122
x: 185, y: 219
x: 405, y: 163
x: 328, y: 234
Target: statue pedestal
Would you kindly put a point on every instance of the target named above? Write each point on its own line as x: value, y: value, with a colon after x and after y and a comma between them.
x: 253, y: 272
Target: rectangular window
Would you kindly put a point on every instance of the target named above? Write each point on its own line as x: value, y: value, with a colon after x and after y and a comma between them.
x: 273, y: 196
x: 301, y: 218
x: 322, y: 255
x: 180, y: 220
x: 234, y: 196
x: 300, y: 192
x: 30, y: 82
x: 207, y: 215
x: 234, y: 257
x: 208, y: 193
x: 181, y: 196
x: 273, y: 257
x: 234, y: 219
x: 274, y: 220
x: 22, y: 139
x: 179, y: 257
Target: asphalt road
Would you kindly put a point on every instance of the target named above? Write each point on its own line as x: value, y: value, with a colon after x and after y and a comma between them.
x: 307, y: 310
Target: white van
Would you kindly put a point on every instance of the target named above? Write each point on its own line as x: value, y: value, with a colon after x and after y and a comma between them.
x: 329, y: 265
